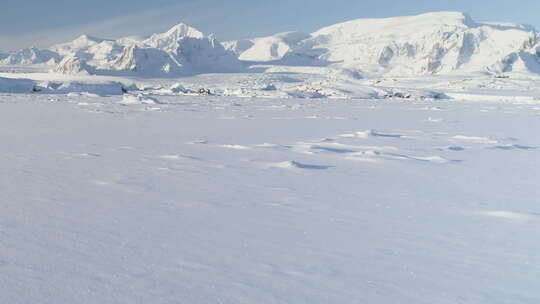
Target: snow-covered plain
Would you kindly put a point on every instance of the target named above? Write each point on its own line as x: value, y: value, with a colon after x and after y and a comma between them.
x: 315, y: 168
x: 240, y: 200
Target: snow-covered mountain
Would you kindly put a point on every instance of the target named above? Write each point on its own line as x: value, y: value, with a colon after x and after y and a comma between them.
x: 182, y: 50
x: 433, y: 43
x: 425, y: 44
x: 31, y: 55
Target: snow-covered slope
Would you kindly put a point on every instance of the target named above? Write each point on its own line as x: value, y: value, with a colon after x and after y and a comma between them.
x: 80, y: 45
x: 31, y: 55
x: 425, y: 44
x: 267, y: 48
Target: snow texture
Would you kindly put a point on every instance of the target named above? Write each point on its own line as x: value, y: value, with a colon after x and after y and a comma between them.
x: 209, y: 199
x: 374, y: 161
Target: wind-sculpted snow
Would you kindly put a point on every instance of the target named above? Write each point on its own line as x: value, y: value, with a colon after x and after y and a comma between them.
x: 209, y: 199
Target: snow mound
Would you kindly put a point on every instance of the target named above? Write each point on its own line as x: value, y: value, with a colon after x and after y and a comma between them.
x: 31, y: 55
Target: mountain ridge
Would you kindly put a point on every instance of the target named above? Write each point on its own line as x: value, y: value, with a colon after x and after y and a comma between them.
x: 425, y: 44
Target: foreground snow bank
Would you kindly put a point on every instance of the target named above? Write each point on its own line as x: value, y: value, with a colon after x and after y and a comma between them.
x: 232, y: 200
x: 100, y: 88
x: 18, y: 85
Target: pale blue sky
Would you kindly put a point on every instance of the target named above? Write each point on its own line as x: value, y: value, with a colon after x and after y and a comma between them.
x: 43, y: 22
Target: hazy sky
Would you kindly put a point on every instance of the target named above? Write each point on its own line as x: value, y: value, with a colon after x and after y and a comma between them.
x: 44, y: 22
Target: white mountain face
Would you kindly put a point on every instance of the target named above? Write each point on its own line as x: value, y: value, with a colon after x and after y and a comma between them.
x: 72, y: 65
x: 425, y: 44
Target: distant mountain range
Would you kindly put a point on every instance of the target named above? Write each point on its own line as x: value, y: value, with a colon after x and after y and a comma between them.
x: 180, y: 51
x: 433, y: 43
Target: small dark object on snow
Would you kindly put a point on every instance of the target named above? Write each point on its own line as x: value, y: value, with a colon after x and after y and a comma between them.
x: 203, y: 91
x: 398, y: 95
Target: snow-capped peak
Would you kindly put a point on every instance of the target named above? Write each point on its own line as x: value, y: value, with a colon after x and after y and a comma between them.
x: 169, y: 39
x: 180, y: 50
x: 77, y: 45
